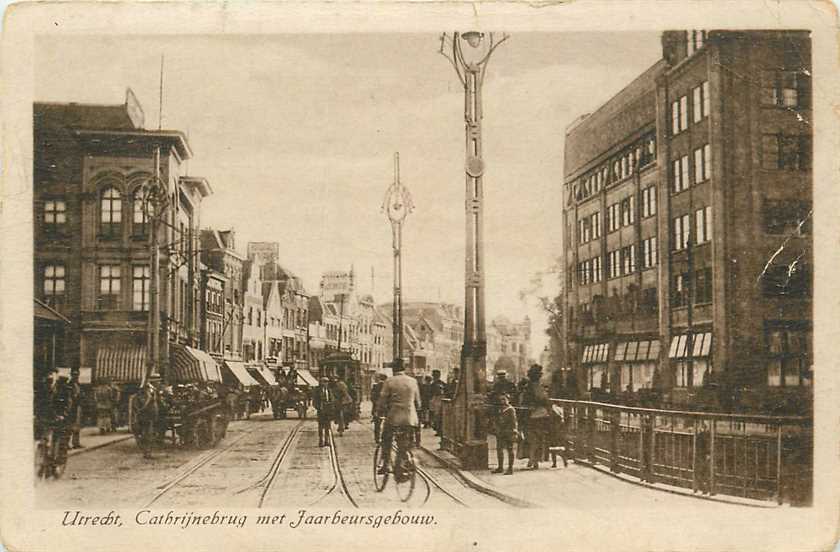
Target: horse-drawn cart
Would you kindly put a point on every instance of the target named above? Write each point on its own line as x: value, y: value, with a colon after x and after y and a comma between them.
x: 289, y: 397
x: 193, y: 415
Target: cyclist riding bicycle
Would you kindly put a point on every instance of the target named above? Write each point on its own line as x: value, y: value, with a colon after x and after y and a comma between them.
x: 398, y: 403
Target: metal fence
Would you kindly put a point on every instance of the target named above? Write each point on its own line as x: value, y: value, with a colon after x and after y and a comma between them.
x: 759, y: 457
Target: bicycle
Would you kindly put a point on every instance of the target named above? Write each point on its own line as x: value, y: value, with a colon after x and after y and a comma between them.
x: 404, y: 466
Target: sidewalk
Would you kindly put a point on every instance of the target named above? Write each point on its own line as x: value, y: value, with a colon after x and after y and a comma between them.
x: 90, y: 438
x: 578, y: 484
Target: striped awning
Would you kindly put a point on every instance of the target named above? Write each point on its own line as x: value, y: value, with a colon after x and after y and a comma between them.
x: 209, y: 367
x: 124, y: 364
x: 258, y: 374
x: 240, y: 373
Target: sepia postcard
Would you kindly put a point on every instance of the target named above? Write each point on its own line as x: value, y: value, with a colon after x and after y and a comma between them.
x: 420, y: 275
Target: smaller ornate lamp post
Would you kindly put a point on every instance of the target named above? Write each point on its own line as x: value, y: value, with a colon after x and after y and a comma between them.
x: 397, y: 205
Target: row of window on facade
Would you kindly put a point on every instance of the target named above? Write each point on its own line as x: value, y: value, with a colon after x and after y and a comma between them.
x: 110, y: 286
x: 619, y: 214
x: 111, y: 216
x: 633, y: 300
x: 619, y: 262
x: 620, y: 166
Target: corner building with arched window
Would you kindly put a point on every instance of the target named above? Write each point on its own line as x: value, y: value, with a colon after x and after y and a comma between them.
x: 91, y: 235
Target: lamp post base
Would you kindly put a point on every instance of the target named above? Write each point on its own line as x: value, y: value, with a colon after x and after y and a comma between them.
x: 472, y: 454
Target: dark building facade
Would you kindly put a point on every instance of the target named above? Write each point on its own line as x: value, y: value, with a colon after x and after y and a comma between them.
x: 687, y: 244
x: 92, y: 228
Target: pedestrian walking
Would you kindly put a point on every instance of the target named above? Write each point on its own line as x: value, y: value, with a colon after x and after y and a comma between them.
x: 375, y: 392
x: 344, y: 402
x: 558, y: 442
x: 437, y: 393
x: 148, y: 414
x: 507, y: 431
x: 539, y: 418
x: 325, y: 404
x: 426, y: 402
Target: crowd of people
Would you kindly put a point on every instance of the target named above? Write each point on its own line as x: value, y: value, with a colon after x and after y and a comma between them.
x: 524, y: 414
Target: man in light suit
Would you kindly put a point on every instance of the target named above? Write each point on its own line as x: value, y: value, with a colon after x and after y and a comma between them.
x: 398, y: 403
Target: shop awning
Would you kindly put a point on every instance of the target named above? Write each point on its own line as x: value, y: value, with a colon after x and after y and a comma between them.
x: 122, y: 364
x: 189, y: 365
x: 238, y: 371
x: 637, y: 351
x: 46, y: 312
x: 306, y: 377
x: 595, y: 353
x: 682, y: 346
x: 260, y: 374
x: 209, y: 365
x: 85, y: 374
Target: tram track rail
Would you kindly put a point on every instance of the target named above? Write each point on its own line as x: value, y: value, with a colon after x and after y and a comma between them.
x: 339, y: 483
x: 280, y: 457
x: 194, y: 466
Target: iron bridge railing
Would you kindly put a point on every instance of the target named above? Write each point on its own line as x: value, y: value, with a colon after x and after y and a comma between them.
x: 751, y: 456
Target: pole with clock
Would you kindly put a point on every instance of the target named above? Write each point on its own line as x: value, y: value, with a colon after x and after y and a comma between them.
x: 469, y: 54
x: 397, y: 205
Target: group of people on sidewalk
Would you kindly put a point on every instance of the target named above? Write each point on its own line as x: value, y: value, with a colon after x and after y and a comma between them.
x: 523, y: 414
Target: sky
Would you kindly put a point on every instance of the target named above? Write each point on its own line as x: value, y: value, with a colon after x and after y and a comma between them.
x: 296, y: 135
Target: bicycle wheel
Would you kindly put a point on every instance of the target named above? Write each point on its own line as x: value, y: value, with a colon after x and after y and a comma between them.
x: 405, y: 476
x: 379, y: 480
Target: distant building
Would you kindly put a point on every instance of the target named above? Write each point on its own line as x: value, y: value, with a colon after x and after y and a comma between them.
x: 687, y: 227
x: 219, y: 254
x: 509, y: 347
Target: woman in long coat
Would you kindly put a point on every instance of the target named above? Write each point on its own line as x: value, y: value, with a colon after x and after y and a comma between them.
x: 539, y: 417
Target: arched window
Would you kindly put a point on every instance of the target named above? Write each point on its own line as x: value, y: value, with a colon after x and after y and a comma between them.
x: 110, y: 213
x: 140, y: 219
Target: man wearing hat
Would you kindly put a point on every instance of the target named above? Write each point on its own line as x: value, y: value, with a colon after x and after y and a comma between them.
x: 501, y: 386
x: 324, y: 401
x: 375, y: 392
x: 398, y: 403
x: 437, y: 392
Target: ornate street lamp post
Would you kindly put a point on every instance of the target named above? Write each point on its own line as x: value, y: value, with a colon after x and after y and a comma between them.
x: 397, y: 205
x: 155, y: 201
x: 469, y: 54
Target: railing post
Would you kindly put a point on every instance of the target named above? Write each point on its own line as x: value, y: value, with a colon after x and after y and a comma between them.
x: 779, y: 463
x: 615, y: 429
x: 712, y: 457
x: 694, y: 457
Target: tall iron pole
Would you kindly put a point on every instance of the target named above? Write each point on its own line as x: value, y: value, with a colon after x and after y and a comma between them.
x: 397, y: 205
x: 470, y: 65
x: 153, y: 335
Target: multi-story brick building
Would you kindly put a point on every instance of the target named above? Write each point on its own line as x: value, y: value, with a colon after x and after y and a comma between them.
x: 687, y: 245
x: 219, y: 254
x: 92, y: 167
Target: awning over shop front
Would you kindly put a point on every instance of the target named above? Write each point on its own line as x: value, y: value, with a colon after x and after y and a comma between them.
x: 637, y: 351
x: 85, y: 374
x: 190, y: 365
x: 120, y: 364
x: 595, y: 353
x: 260, y: 374
x: 306, y: 377
x: 697, y: 345
x: 238, y: 371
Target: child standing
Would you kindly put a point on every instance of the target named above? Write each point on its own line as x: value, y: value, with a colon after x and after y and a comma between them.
x: 506, y: 433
